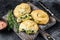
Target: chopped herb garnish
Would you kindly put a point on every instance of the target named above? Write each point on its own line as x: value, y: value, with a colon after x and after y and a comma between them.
x: 12, y: 21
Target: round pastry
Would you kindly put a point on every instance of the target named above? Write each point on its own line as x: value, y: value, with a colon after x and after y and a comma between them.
x: 28, y: 26
x: 40, y: 16
x: 22, y: 9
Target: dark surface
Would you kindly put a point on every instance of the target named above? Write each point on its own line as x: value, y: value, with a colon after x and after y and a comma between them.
x: 53, y: 5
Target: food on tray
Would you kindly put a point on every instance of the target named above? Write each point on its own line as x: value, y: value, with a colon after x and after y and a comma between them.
x: 22, y: 9
x: 40, y: 16
x: 28, y: 20
x: 28, y: 26
x: 24, y: 17
x: 3, y: 24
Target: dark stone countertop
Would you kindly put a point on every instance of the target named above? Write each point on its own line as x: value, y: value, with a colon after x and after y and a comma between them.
x: 53, y: 5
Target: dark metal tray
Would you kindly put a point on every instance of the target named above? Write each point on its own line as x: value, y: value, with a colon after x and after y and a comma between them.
x: 6, y: 5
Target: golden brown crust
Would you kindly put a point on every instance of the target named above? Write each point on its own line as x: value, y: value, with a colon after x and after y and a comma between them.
x: 28, y: 25
x: 22, y: 9
x: 40, y: 16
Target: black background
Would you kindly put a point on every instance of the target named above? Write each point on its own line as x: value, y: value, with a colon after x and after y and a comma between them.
x: 53, y: 5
